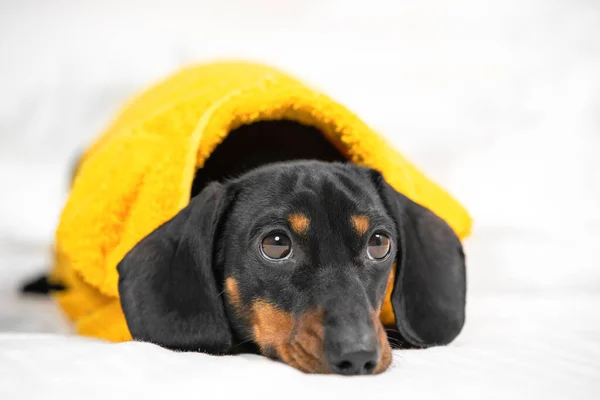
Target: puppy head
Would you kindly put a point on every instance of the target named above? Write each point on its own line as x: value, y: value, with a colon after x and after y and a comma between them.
x: 296, y: 258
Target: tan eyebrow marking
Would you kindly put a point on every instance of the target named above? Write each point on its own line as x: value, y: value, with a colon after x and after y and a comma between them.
x: 361, y: 224
x: 299, y: 223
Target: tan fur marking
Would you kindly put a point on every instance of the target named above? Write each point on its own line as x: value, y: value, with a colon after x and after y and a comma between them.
x: 297, y: 341
x: 233, y: 294
x: 386, y: 313
x: 307, y: 344
x: 386, y: 349
x: 272, y: 326
x: 361, y: 224
x: 299, y: 223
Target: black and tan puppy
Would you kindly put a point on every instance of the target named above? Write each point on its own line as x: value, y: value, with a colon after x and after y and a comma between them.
x: 295, y: 258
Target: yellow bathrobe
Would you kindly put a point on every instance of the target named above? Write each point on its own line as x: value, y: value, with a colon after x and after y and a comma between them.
x: 139, y: 173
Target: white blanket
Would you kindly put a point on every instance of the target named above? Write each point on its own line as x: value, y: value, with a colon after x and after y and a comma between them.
x: 497, y: 102
x: 514, y: 346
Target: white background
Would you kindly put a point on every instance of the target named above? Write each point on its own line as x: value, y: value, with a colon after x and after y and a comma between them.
x: 497, y: 101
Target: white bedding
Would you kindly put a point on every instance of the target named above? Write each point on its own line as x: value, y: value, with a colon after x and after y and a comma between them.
x: 514, y: 346
x: 498, y: 102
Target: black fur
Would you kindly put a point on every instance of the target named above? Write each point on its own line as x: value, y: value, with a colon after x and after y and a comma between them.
x: 171, y: 283
x: 429, y: 294
x: 42, y: 285
x: 167, y: 282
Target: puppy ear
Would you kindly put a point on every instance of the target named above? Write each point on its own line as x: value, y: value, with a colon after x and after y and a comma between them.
x: 429, y: 293
x: 167, y: 284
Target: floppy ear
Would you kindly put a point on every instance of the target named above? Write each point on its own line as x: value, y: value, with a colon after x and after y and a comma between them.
x: 167, y: 281
x: 429, y: 293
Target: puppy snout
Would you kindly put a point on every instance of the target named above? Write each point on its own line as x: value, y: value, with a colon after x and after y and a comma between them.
x: 354, y: 354
x: 362, y: 362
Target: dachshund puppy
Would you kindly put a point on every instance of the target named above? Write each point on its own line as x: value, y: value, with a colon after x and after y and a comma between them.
x: 295, y: 258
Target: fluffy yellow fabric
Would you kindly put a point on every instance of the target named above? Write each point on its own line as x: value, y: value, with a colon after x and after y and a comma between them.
x: 139, y: 173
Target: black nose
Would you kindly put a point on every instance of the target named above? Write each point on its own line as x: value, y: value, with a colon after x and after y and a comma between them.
x: 361, y: 362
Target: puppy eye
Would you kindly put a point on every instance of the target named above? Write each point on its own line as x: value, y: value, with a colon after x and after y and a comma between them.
x: 379, y: 246
x: 276, y: 246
